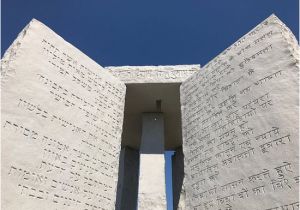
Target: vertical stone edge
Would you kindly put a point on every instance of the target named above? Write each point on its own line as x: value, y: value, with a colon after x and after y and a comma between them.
x: 11, y: 53
x: 127, y: 190
x: 178, y: 180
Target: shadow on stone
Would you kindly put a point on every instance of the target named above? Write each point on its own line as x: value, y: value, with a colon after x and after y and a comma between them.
x: 127, y: 190
x: 178, y: 175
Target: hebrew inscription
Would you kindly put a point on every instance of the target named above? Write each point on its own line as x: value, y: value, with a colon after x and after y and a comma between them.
x: 240, y: 124
x: 61, y: 123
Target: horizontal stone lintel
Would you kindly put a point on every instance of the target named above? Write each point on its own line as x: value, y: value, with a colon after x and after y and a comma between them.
x: 153, y: 74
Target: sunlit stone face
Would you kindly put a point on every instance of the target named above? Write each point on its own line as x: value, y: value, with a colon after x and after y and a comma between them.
x: 62, y: 117
x: 64, y: 125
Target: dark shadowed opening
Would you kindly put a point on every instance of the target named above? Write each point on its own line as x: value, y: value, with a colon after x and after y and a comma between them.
x: 145, y: 98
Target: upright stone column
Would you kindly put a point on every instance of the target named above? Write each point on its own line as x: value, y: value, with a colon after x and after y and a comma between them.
x: 128, y: 179
x: 152, y: 190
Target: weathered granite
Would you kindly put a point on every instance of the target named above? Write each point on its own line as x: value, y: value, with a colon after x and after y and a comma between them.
x: 153, y: 74
x: 61, y: 123
x: 240, y: 124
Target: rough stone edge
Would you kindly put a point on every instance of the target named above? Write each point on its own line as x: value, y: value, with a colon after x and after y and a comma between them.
x: 292, y: 47
x: 287, y: 34
x: 289, y: 37
x: 12, y: 52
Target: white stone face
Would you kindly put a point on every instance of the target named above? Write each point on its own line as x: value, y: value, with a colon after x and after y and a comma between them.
x: 153, y: 74
x: 152, y: 188
x: 61, y: 123
x: 240, y: 124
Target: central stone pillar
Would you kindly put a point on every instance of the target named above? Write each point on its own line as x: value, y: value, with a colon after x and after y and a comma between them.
x: 152, y: 190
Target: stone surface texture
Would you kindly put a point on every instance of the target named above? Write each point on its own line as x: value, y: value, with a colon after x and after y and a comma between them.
x: 240, y: 124
x: 152, y: 190
x: 153, y: 74
x: 62, y: 118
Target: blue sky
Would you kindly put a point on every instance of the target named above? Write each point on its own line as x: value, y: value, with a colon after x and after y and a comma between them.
x: 153, y: 32
x: 140, y: 32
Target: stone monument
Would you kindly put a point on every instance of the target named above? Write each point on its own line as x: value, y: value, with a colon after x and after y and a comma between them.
x: 76, y: 135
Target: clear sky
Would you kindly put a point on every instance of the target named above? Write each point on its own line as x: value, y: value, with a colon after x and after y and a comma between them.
x: 152, y: 32
x: 147, y: 32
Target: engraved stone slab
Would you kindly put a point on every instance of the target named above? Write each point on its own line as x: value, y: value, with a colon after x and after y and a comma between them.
x: 153, y: 74
x: 61, y: 123
x: 240, y: 124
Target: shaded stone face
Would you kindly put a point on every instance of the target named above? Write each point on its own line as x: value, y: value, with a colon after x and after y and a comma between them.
x: 127, y: 192
x: 237, y: 122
